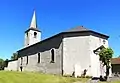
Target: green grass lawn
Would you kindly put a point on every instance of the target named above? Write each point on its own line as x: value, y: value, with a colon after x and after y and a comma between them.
x: 27, y: 77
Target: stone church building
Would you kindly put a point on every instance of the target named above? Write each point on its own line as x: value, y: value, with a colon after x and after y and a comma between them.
x: 65, y: 53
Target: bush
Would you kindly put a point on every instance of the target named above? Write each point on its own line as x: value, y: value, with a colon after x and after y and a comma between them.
x: 88, y: 76
x: 67, y: 75
x: 82, y: 76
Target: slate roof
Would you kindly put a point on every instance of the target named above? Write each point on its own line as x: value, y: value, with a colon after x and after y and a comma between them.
x: 115, y: 61
x: 83, y: 29
x: 12, y: 60
x: 78, y: 29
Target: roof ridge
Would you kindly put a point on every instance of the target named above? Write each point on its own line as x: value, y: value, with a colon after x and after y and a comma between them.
x: 77, y: 28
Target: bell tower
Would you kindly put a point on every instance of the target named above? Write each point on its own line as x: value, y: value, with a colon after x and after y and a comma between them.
x: 32, y: 35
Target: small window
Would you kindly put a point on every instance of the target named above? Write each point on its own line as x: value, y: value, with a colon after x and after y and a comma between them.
x: 27, y: 34
x: 52, y: 55
x: 27, y: 60
x: 38, y: 57
x: 35, y: 34
x: 104, y: 41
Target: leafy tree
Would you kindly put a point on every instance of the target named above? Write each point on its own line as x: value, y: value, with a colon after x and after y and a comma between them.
x: 14, y: 56
x: 6, y: 63
x: 105, y: 56
x: 1, y: 64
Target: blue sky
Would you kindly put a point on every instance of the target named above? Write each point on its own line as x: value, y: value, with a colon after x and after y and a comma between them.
x: 54, y: 16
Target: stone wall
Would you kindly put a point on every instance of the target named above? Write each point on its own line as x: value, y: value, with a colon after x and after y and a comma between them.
x: 44, y: 48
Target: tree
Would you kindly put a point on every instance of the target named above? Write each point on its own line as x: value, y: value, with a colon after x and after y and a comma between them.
x: 1, y: 64
x: 6, y: 63
x: 14, y: 56
x: 105, y: 56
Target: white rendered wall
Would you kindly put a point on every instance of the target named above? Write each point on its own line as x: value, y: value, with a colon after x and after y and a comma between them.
x: 29, y: 40
x: 76, y: 52
x: 12, y: 66
x: 96, y: 69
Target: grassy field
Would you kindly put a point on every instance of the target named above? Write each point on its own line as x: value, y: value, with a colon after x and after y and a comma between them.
x: 27, y: 77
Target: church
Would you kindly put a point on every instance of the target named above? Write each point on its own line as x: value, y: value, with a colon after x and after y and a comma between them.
x: 65, y: 53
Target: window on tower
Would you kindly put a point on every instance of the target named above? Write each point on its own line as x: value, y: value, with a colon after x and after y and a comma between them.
x: 27, y: 34
x: 35, y: 34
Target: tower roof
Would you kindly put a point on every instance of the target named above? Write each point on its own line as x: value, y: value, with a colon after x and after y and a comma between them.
x: 33, y: 25
x: 33, y: 21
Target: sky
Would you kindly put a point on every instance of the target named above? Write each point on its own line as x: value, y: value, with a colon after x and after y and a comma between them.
x: 54, y: 16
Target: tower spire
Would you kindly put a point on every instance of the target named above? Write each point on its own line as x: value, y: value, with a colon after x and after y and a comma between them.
x: 32, y: 35
x: 33, y: 21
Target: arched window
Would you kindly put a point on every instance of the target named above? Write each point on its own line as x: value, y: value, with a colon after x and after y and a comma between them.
x: 21, y: 60
x: 35, y: 34
x: 38, y: 57
x: 27, y: 60
x: 52, y: 55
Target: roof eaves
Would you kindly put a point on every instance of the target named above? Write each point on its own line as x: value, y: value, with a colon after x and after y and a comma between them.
x: 61, y: 34
x: 41, y: 41
x: 99, y: 33
x: 35, y: 29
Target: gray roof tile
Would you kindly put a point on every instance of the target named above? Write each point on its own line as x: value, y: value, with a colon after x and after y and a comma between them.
x: 78, y: 28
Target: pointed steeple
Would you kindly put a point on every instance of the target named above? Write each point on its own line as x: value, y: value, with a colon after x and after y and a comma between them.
x: 33, y: 21
x: 32, y: 34
x: 33, y: 25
